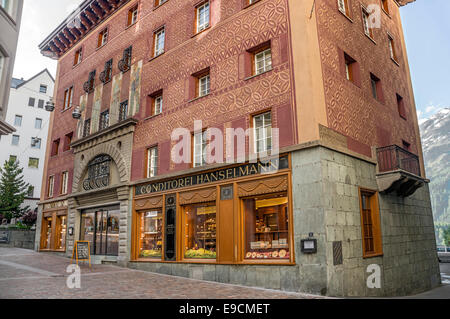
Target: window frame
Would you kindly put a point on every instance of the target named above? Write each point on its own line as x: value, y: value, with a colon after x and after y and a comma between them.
x: 18, y: 140
x: 385, y: 6
x: 207, y: 24
x: 368, y: 31
x: 266, y: 68
x: 152, y: 162
x: 33, y: 158
x: 204, y: 144
x: 102, y: 120
x: 55, y: 147
x: 133, y: 15
x: 30, y: 100
x: 78, y: 56
x: 16, y: 117
x: 265, y: 139
x: 158, y: 51
x: 43, y: 86
x: 375, y: 224
x: 346, y: 7
x: 38, y: 140
x: 103, y: 38
x: 51, y: 186
x: 64, y: 183
x: 392, y: 50
x: 199, y: 92
x: 68, y: 98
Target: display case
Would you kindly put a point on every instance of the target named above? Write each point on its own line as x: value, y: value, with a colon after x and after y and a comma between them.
x: 151, y: 235
x: 200, y: 231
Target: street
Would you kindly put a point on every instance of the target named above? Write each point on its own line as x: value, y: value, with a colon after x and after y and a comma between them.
x: 27, y: 274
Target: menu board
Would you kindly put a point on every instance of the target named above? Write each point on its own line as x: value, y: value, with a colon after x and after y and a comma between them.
x: 81, y: 251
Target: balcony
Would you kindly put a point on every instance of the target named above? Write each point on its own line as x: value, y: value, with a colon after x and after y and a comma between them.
x: 398, y: 171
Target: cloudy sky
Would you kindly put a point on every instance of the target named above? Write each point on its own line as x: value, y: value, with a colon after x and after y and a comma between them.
x: 425, y: 23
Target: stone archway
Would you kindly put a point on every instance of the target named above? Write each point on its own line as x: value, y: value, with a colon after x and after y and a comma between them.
x: 84, y: 158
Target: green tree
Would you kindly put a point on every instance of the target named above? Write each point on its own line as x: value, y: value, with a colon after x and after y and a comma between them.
x: 13, y: 190
x: 446, y: 235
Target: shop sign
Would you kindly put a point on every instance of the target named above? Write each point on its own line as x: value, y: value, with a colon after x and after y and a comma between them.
x: 58, y: 204
x: 248, y: 169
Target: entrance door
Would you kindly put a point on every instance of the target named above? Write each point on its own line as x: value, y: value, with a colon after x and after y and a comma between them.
x: 101, y: 228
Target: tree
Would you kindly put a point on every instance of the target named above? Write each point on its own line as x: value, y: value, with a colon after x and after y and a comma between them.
x: 446, y: 235
x: 13, y: 190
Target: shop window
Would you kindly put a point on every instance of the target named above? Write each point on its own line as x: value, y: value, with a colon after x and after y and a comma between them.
x: 150, y: 238
x: 370, y: 224
x: 158, y: 42
x: 132, y: 15
x: 266, y: 221
x: 202, y: 17
x: 200, y: 231
x: 47, y: 233
x: 262, y: 125
x: 61, y: 231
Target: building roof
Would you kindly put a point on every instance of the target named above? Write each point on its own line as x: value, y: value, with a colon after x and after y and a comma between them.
x: 84, y: 19
x: 16, y: 83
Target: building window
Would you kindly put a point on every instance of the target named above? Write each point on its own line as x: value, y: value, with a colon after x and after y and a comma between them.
x: 31, y: 101
x: 158, y: 42
x: 68, y: 96
x: 18, y: 120
x: 203, y: 85
x: 262, y: 125
x: 377, y: 91
x: 12, y: 158
x: 370, y: 224
x: 266, y: 227
x: 249, y: 2
x: 102, y: 38
x: 43, y: 88
x: 41, y: 104
x: 51, y: 184
x: 392, y: 50
x: 7, y: 5
x: 385, y: 5
x: 152, y: 161
x: 125, y: 62
x: 106, y: 75
x: 78, y: 56
x: 123, y: 111
x: 150, y: 234
x: 35, y: 142
x: 38, y: 123
x: 344, y: 7
x: 33, y: 162
x: 64, y: 182
x: 132, y: 15
x: 104, y: 120
x: 155, y: 103
x: 67, y: 141
x: 406, y: 146
x: 202, y: 17
x: 30, y: 192
x: 15, y: 140
x: 263, y: 61
x: 200, y: 143
x: 366, y: 24
x: 55, y: 147
x: 401, y: 107
x: 159, y: 2
x: 200, y: 231
x: 87, y: 127
x: 350, y: 68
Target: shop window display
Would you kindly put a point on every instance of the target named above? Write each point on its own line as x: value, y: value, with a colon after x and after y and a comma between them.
x: 200, y: 231
x: 150, y: 241
x: 62, y: 229
x: 48, y: 233
x: 266, y: 223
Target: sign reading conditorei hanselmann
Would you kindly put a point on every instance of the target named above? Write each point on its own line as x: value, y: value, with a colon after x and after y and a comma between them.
x: 247, y: 169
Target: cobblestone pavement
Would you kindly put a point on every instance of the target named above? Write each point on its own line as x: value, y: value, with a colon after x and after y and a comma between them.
x: 28, y: 274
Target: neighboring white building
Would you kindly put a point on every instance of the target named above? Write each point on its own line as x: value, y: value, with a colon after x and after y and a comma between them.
x: 27, y: 114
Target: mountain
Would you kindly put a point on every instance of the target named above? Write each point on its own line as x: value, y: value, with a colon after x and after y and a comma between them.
x: 435, y: 133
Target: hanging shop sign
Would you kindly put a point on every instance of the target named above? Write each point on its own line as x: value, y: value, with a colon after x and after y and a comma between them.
x: 244, y: 170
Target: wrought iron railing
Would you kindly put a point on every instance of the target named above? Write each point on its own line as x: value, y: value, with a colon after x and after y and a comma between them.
x: 393, y: 157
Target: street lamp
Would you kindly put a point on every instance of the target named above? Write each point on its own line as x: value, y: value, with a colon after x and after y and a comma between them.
x: 76, y: 114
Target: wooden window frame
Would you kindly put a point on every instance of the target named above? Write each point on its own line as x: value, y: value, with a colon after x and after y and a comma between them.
x: 68, y: 97
x: 131, y: 13
x: 401, y: 106
x: 66, y: 186
x: 385, y: 6
x: 379, y: 96
x: 198, y: 84
x: 159, y: 3
x: 51, y: 186
x: 252, y: 125
x: 263, y: 49
x: 155, y: 39
x: 55, y: 147
x: 78, y: 57
x: 101, y: 37
x: 148, y: 159
x: 365, y: 20
x: 197, y: 8
x: 67, y: 141
x: 347, y: 8
x: 375, y: 224
x: 392, y: 51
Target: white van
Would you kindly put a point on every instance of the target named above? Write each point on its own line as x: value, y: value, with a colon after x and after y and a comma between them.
x: 443, y: 253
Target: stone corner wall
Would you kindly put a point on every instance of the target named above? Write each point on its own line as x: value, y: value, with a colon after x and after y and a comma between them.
x: 19, y: 238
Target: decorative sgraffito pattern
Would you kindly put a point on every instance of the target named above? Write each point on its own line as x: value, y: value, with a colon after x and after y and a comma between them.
x: 115, y: 99
x: 135, y: 89
x: 95, y: 117
x: 352, y: 110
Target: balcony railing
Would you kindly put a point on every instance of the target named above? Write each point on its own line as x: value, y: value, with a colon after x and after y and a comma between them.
x: 391, y: 158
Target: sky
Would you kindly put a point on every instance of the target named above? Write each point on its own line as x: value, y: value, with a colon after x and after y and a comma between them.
x: 425, y: 23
